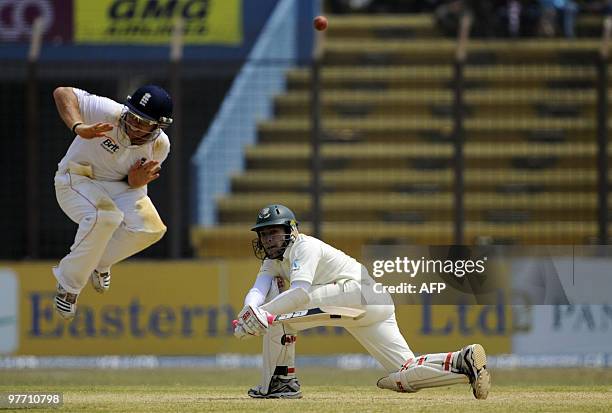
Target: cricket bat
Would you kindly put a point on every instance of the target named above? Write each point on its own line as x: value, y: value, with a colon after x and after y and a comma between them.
x: 314, y: 314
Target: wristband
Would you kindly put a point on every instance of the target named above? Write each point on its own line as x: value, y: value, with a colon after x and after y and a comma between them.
x: 75, y: 125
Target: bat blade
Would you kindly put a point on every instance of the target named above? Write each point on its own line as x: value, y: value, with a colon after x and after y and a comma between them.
x: 318, y: 313
x: 314, y: 314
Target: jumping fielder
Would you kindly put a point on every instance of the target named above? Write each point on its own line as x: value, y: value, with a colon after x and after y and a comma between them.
x: 300, y: 272
x: 101, y: 183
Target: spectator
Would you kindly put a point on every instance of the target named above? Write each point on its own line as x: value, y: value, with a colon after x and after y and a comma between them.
x: 553, y: 11
x: 517, y: 18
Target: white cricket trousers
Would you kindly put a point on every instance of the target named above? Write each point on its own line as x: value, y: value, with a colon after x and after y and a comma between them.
x: 115, y: 222
x: 377, y: 331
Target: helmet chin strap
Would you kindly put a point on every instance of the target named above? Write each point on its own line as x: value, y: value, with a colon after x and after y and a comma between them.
x: 286, y: 243
x: 289, y: 239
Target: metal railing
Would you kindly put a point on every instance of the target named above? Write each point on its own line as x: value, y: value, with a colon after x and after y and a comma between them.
x: 249, y: 101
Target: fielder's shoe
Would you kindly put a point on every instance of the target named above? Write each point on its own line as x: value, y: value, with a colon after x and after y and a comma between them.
x: 100, y: 281
x: 65, y: 303
x: 279, y: 389
x: 473, y: 363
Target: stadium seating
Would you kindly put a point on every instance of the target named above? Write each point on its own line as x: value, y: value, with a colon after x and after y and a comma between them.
x: 387, y: 106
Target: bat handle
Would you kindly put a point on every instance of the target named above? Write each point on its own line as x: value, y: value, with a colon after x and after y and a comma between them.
x: 270, y: 320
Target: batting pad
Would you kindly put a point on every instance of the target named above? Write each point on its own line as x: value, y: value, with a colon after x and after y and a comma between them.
x: 431, y: 370
x: 278, y: 345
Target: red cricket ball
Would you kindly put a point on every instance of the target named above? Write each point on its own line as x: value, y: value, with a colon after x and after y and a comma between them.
x: 320, y: 23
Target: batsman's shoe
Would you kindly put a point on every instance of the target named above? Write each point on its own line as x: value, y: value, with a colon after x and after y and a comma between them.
x: 279, y: 389
x: 65, y: 303
x: 473, y: 362
x: 100, y: 281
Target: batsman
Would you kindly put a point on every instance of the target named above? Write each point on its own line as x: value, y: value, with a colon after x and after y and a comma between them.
x: 300, y: 272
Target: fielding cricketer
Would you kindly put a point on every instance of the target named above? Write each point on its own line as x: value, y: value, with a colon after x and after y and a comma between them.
x: 300, y: 272
x: 101, y: 183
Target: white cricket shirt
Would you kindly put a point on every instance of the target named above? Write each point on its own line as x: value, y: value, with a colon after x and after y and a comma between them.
x: 310, y: 259
x: 110, y: 160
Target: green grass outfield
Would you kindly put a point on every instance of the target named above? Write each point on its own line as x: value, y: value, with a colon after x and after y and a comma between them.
x: 325, y: 390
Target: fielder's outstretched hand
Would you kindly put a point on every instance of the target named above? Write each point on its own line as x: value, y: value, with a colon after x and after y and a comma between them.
x: 252, y: 320
x: 97, y: 130
x: 141, y: 174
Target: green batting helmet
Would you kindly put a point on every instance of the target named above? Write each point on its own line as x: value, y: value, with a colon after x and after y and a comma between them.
x: 269, y: 216
x: 275, y: 214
